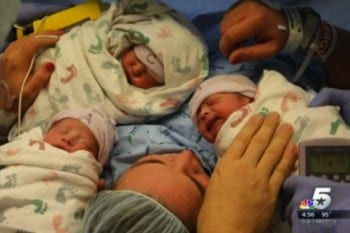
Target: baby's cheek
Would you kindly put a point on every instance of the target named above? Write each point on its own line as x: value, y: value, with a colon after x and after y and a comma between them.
x: 201, y: 127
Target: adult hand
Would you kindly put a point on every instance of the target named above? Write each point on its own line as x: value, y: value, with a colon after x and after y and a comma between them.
x: 252, y: 20
x: 245, y: 184
x: 15, y: 62
x: 335, y: 97
x: 298, y: 188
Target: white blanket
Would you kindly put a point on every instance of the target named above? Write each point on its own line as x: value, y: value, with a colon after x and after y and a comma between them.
x: 87, y: 73
x: 275, y: 93
x: 42, y: 188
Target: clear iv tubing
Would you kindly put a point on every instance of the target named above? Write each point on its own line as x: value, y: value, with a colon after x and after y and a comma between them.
x: 19, y: 119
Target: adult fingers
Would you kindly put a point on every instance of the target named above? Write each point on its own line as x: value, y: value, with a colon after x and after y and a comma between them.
x: 254, y: 52
x: 37, y: 82
x: 335, y: 97
x: 322, y: 98
x: 42, y: 40
x: 232, y: 17
x: 262, y: 139
x: 275, y: 150
x: 284, y: 167
x: 330, y: 96
x: 238, y: 32
x: 46, y: 39
x: 242, y: 140
x: 19, y: 53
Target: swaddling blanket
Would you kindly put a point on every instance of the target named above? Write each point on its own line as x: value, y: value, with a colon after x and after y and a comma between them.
x: 42, y: 188
x: 89, y: 74
x: 275, y: 93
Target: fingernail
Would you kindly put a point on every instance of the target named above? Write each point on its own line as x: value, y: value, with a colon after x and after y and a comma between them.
x: 258, y: 117
x: 234, y: 60
x: 274, y: 115
x: 49, y: 67
x: 287, y: 127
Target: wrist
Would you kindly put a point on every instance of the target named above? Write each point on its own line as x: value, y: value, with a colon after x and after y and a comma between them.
x: 305, y: 33
x: 328, y: 40
x: 304, y: 26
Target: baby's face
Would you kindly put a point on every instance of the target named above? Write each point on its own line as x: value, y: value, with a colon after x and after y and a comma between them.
x: 215, y: 110
x: 136, y: 72
x: 70, y: 134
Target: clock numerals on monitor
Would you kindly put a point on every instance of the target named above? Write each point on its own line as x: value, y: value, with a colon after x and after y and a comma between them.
x: 325, y: 157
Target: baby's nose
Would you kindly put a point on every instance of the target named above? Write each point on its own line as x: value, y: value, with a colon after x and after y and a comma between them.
x: 203, y: 111
x: 68, y: 140
x: 138, y: 68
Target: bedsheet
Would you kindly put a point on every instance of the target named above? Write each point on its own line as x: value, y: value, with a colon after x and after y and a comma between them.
x: 176, y: 131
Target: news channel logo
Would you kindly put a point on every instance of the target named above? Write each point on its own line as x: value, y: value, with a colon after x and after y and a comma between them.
x: 317, y: 207
x: 320, y: 200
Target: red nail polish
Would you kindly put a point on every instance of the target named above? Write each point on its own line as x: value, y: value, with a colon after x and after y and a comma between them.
x: 49, y: 66
x: 234, y: 60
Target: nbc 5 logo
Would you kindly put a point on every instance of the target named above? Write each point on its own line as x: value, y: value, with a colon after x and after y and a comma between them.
x: 322, y: 197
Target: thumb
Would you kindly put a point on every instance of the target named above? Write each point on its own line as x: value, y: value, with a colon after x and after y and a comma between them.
x: 38, y: 80
x: 252, y: 52
x: 331, y: 96
x: 335, y: 97
x: 322, y: 98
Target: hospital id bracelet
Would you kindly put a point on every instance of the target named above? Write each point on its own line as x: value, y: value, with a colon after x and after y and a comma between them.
x: 304, y: 29
x: 303, y: 26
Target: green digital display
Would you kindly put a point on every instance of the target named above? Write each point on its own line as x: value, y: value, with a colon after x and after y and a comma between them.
x: 328, y: 159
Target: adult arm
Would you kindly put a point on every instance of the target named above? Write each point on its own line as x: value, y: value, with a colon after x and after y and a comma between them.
x: 249, y: 19
x: 14, y: 65
x: 248, y: 178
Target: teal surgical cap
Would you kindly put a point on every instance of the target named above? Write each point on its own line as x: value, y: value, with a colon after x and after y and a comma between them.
x: 129, y: 212
x: 8, y: 15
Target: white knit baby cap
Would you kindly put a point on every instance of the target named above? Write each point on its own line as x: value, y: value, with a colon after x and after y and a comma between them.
x: 149, y: 59
x: 101, y: 126
x: 221, y: 83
